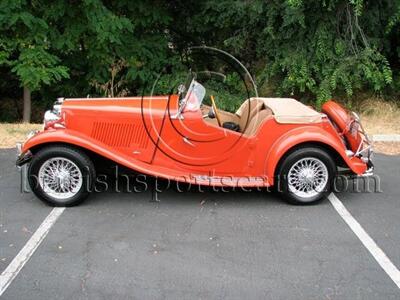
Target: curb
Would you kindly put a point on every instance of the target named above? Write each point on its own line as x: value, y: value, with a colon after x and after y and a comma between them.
x: 386, y: 138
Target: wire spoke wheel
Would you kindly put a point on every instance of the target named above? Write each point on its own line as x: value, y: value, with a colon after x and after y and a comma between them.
x: 308, y: 177
x: 60, y: 178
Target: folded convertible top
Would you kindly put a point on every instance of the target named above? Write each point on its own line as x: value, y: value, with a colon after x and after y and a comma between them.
x: 289, y: 111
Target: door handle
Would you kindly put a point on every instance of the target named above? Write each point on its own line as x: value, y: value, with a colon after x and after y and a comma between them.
x: 186, y: 140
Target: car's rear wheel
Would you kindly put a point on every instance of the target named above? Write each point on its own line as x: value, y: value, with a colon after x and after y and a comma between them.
x: 61, y: 175
x: 306, y: 175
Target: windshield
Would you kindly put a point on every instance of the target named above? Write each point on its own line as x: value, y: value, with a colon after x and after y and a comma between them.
x: 194, y: 96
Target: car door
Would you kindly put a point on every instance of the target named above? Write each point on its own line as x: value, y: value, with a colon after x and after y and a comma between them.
x: 193, y: 144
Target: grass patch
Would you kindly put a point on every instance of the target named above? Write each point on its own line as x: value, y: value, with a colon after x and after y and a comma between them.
x: 10, y: 134
x: 379, y: 116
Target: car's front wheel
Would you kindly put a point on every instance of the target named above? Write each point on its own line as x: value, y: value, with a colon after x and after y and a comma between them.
x: 61, y: 175
x: 306, y: 175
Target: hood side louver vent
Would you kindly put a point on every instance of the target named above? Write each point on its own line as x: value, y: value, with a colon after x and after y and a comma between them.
x: 119, y: 134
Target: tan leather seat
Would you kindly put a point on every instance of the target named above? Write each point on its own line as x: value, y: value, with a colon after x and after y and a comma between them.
x: 256, y: 121
x: 246, y: 121
x: 254, y: 105
x: 224, y: 115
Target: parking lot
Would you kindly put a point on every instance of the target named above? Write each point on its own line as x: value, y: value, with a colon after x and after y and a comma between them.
x: 201, y: 245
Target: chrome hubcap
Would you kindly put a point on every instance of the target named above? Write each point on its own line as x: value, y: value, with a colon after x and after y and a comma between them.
x: 60, y: 178
x: 308, y: 177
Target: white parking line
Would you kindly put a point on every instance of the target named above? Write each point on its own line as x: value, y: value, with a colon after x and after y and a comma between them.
x: 367, y: 241
x: 27, y: 251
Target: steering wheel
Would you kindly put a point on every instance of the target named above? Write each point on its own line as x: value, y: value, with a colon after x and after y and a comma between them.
x: 214, y: 106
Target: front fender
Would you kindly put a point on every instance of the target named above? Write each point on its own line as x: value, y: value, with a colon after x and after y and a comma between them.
x: 72, y: 137
x: 307, y: 134
x: 52, y: 136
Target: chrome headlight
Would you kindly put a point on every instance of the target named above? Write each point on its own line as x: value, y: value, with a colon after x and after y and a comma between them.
x: 57, y: 106
x: 57, y: 109
x: 55, y: 113
x: 50, y: 116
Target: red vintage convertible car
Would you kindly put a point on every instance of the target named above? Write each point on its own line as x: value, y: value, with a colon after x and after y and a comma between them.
x: 268, y: 142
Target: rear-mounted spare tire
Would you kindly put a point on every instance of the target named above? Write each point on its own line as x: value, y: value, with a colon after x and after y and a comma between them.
x: 346, y: 124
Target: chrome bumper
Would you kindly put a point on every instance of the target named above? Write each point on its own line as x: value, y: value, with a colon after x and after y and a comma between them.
x: 365, y: 150
x: 22, y: 166
x: 19, y: 149
x: 22, y: 158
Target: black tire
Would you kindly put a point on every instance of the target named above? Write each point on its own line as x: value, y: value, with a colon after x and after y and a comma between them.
x: 78, y: 157
x: 282, y: 178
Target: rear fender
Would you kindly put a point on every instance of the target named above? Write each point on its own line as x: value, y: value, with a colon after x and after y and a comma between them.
x: 308, y: 135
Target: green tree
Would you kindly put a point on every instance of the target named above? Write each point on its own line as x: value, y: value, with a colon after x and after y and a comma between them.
x: 25, y: 48
x: 311, y: 48
x: 112, y: 48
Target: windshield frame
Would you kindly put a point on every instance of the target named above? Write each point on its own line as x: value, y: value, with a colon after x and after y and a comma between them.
x: 191, y: 89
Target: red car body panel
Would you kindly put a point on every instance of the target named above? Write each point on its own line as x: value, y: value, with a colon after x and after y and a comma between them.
x: 145, y: 135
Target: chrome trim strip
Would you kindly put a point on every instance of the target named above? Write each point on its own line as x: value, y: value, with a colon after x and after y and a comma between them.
x: 19, y: 148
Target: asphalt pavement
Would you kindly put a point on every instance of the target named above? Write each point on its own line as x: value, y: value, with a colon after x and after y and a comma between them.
x: 201, y: 245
